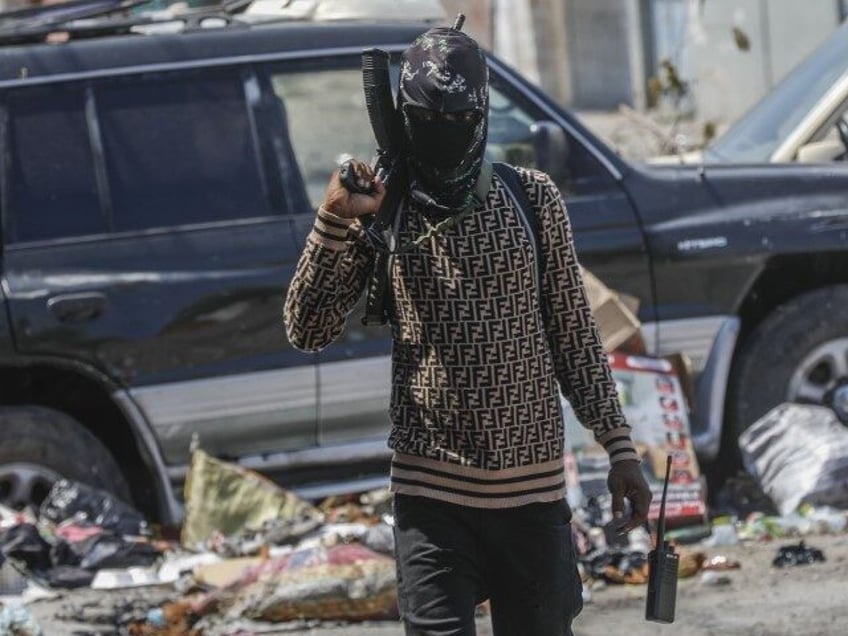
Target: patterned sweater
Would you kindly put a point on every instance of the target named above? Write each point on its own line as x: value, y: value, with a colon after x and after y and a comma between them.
x: 476, y: 370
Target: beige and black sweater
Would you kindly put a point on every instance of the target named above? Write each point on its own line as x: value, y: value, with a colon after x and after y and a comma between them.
x: 476, y: 372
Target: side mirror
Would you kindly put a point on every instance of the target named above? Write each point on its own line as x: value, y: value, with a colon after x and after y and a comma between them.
x: 550, y: 146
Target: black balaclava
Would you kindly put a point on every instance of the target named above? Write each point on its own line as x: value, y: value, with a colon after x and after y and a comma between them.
x: 444, y: 70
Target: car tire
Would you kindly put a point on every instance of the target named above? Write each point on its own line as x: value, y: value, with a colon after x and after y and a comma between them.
x: 788, y: 356
x: 40, y: 445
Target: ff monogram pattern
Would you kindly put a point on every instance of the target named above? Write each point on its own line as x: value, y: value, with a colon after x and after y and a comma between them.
x: 476, y: 370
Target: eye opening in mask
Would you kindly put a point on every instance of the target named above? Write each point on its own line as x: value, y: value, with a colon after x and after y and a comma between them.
x: 419, y: 114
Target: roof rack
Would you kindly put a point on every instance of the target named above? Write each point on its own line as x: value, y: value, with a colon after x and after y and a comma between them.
x: 96, y: 18
x: 77, y: 19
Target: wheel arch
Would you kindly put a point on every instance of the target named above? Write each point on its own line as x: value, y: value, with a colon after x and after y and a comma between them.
x: 96, y: 403
x: 782, y: 278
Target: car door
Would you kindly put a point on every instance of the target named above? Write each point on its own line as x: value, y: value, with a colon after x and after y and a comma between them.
x: 147, y: 240
x: 324, y: 106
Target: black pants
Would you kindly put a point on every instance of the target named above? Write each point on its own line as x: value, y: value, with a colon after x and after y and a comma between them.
x: 450, y: 558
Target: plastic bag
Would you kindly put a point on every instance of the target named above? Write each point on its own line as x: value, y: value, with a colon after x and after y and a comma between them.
x: 227, y: 499
x: 73, y: 500
x: 799, y: 454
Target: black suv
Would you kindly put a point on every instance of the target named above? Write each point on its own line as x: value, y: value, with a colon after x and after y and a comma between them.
x: 156, y: 191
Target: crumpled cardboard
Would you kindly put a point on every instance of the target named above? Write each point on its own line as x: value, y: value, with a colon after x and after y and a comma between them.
x: 615, y: 314
x: 227, y: 500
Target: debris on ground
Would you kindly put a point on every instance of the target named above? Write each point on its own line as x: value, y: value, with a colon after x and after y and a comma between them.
x: 15, y: 620
x: 268, y: 560
x: 799, y: 454
x: 800, y: 554
x: 235, y: 510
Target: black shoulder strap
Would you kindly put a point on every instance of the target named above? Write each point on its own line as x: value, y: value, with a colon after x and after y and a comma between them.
x: 518, y: 193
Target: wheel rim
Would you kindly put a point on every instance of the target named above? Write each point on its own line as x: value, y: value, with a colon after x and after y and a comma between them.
x: 822, y: 378
x: 23, y: 484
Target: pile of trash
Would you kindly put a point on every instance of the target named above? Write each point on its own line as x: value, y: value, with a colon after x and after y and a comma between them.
x: 249, y: 550
x: 252, y: 553
x: 77, y: 532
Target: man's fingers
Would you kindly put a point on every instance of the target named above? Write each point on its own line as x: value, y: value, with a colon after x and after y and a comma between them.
x: 641, y: 504
x: 364, y: 175
x: 379, y: 186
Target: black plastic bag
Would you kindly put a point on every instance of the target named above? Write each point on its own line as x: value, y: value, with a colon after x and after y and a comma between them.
x: 69, y: 577
x: 24, y: 543
x: 104, y: 550
x: 73, y: 500
x: 800, y: 554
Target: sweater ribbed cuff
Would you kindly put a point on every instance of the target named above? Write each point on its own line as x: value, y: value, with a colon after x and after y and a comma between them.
x: 330, y: 230
x: 618, y: 445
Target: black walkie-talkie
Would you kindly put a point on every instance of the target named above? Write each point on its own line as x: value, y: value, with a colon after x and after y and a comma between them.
x: 662, y: 569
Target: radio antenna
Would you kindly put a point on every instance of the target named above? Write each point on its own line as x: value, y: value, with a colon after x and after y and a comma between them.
x: 661, y: 520
x: 460, y: 20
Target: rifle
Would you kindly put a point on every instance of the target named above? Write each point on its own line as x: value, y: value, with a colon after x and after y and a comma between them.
x: 389, y: 166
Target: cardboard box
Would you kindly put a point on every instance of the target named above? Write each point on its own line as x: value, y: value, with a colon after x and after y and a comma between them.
x: 615, y: 315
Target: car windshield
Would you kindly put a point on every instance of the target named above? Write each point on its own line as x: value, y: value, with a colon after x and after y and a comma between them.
x: 759, y: 132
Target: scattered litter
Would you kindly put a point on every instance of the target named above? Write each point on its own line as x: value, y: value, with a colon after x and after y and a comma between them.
x: 760, y: 527
x: 171, y: 619
x: 69, y: 500
x: 714, y: 578
x: 16, y: 620
x: 690, y: 563
x: 271, y: 563
x: 175, y: 566
x: 620, y: 566
x: 12, y: 582
x: 723, y: 534
x: 720, y: 563
x: 236, y: 504
x: 224, y: 573
x: 25, y: 544
x: 344, y: 582
x: 800, y: 554
x: 113, y: 579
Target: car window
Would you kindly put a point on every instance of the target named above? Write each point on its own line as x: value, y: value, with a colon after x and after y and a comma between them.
x: 179, y: 150
x: 511, y: 140
x: 327, y: 121
x: 756, y: 135
x: 53, y: 189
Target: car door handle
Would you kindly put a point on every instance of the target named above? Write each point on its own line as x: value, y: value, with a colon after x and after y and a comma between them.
x: 81, y: 307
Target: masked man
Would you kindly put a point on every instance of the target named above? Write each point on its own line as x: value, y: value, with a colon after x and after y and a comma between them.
x: 484, y: 338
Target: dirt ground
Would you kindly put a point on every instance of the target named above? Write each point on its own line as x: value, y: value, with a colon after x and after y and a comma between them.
x: 757, y: 600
